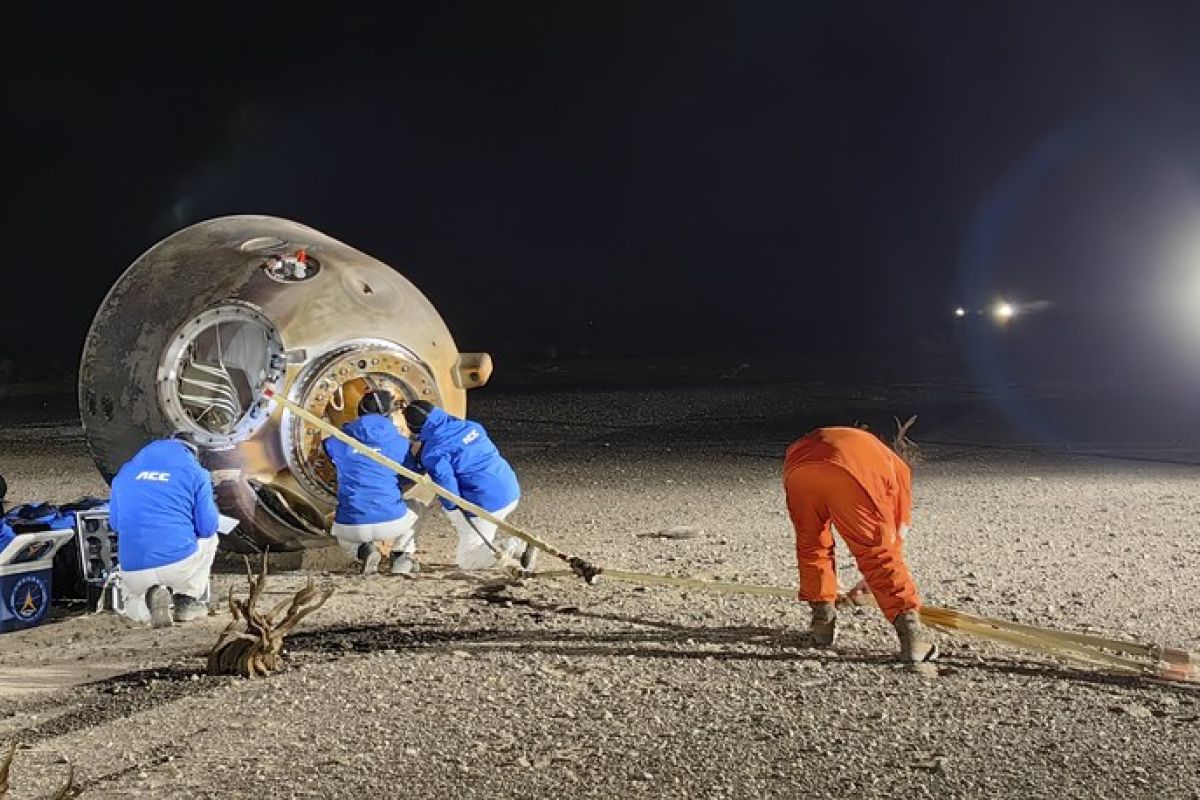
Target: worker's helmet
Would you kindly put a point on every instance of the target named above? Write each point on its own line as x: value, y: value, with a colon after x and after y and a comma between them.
x: 188, y: 440
x: 416, y: 414
x: 377, y: 401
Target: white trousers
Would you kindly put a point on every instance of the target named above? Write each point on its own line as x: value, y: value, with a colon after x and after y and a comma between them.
x: 189, y: 576
x: 402, y: 530
x: 473, y: 552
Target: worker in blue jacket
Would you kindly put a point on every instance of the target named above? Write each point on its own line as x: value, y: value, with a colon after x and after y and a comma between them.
x: 163, y: 511
x: 370, y: 505
x: 458, y: 455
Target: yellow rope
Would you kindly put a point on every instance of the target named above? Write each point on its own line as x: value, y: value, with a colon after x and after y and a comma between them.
x: 1167, y: 663
x: 1164, y: 663
x: 415, y: 477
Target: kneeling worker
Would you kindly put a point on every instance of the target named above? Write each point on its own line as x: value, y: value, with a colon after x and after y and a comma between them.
x: 370, y: 506
x: 458, y: 455
x: 163, y: 511
x: 848, y: 477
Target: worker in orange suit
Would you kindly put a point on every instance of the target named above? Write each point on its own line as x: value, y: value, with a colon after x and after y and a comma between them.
x: 849, y: 478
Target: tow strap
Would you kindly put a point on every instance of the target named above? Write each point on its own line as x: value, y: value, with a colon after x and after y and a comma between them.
x: 1115, y: 655
x: 582, y: 568
x: 1148, y: 660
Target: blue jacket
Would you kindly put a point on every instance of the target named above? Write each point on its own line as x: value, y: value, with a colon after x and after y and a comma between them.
x: 6, y: 535
x: 162, y: 501
x: 368, y: 492
x: 458, y: 455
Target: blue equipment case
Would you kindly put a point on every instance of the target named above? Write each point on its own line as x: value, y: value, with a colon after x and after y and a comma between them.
x: 26, y: 573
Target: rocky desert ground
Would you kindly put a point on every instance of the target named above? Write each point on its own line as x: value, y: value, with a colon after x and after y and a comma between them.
x: 452, y: 685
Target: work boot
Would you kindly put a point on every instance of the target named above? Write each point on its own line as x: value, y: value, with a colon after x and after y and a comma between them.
x: 188, y: 608
x: 823, y: 627
x: 158, y: 600
x: 518, y: 552
x: 404, y: 564
x: 915, y: 646
x: 529, y: 558
x: 521, y: 553
x: 369, y: 554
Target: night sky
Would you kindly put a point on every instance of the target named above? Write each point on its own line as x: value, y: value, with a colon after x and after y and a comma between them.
x: 622, y: 178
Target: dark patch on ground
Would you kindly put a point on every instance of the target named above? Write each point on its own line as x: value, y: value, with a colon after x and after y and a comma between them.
x: 657, y: 639
x: 96, y: 704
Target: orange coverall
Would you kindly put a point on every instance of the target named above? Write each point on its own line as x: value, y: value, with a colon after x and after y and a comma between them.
x: 848, y: 477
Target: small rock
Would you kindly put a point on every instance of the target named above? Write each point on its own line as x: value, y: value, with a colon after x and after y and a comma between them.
x: 1132, y: 709
x: 675, y: 532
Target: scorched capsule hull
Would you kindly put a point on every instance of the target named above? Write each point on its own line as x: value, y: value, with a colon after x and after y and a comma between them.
x: 192, y: 331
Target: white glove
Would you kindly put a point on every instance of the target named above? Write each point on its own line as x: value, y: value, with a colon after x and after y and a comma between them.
x: 857, y: 595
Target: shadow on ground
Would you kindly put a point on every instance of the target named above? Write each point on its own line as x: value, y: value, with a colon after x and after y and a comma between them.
x: 662, y: 640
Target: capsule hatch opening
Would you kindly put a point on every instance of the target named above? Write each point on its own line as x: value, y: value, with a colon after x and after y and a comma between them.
x: 211, y: 374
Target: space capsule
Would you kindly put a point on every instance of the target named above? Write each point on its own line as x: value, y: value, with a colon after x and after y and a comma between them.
x: 195, y: 328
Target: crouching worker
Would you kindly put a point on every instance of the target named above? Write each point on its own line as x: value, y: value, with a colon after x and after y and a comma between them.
x: 458, y: 456
x: 848, y: 477
x: 370, y: 507
x: 163, y: 511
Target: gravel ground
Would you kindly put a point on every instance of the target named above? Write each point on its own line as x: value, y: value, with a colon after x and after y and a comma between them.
x: 448, y: 684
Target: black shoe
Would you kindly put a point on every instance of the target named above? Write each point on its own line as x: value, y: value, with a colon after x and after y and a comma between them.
x: 188, y: 608
x: 369, y: 554
x: 158, y: 600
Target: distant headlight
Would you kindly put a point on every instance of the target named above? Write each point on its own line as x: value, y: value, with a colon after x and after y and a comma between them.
x: 960, y: 312
x: 1004, y: 311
